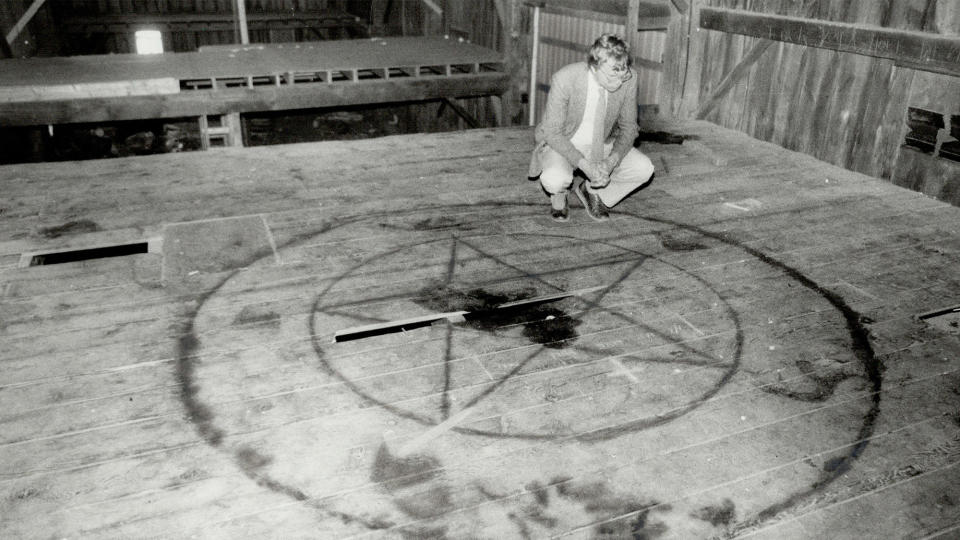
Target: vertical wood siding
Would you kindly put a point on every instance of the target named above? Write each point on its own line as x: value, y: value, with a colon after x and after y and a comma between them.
x: 843, y: 108
x: 566, y: 39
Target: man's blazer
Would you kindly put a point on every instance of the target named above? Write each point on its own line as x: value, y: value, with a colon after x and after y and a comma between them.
x: 566, y: 103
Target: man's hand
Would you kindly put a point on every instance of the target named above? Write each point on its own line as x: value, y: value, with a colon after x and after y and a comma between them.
x: 606, y: 167
x: 611, y: 163
x: 601, y: 183
x: 596, y: 172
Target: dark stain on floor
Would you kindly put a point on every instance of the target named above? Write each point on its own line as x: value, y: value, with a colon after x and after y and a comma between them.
x: 674, y: 243
x: 720, y: 515
x: 257, y: 315
x: 597, y: 499
x: 397, y: 472
x: 250, y: 459
x: 662, y: 137
x: 71, y: 227
x: 819, y: 384
x: 424, y: 533
x: 442, y: 222
x: 544, y: 323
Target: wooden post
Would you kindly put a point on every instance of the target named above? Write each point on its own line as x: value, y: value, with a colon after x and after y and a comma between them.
x: 533, y: 65
x: 235, y: 127
x: 631, y: 31
x: 505, y: 107
x: 630, y: 28
x: 682, y: 62
x: 445, y: 17
x: 242, y: 18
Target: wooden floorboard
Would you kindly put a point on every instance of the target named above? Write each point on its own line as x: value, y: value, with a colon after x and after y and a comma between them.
x: 752, y: 365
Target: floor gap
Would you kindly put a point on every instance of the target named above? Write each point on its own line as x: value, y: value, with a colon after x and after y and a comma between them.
x: 60, y: 257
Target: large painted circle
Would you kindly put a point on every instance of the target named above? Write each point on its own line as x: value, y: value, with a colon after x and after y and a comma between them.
x: 210, y: 396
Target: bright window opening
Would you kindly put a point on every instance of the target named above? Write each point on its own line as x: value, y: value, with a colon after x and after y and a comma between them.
x: 149, y: 42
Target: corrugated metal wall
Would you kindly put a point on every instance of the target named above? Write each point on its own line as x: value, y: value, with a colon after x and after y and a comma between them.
x: 565, y: 39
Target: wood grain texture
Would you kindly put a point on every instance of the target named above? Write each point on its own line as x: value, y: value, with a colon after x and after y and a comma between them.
x: 198, y: 391
x: 919, y: 50
x: 845, y: 108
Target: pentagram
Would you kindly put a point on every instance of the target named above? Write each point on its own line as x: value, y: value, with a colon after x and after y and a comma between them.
x: 481, y: 267
x: 303, y: 415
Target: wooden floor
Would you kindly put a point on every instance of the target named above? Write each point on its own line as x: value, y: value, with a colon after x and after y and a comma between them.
x: 740, y: 353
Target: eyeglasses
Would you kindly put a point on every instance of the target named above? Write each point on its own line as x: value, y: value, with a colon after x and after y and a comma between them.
x: 621, y: 72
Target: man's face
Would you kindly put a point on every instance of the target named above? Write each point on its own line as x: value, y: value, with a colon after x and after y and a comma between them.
x: 611, y: 73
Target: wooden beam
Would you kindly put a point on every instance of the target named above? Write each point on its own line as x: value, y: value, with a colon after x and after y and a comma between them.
x: 433, y: 6
x: 741, y: 69
x: 734, y: 76
x: 917, y: 50
x: 680, y: 5
x: 205, y: 22
x: 461, y: 112
x: 22, y: 23
x: 614, y: 8
x: 268, y: 98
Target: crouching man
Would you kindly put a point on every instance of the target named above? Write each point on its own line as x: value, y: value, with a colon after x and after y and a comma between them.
x: 590, y: 123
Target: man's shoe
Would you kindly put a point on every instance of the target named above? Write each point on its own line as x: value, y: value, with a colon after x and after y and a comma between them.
x: 591, y: 201
x: 559, y: 209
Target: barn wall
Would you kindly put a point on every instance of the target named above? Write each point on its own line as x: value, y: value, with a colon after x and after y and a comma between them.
x: 107, y: 26
x: 565, y: 39
x: 844, y: 108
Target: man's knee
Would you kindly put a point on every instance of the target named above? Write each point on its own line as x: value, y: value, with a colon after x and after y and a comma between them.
x: 555, y: 181
x: 636, y: 167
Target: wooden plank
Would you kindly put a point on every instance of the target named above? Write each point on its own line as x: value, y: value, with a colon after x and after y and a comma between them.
x: 53, y: 92
x: 745, y: 114
x: 207, y: 22
x: 674, y: 64
x: 238, y: 61
x: 233, y: 100
x: 82, y: 411
x: 918, y: 50
x: 616, y: 8
x: 693, y: 63
x: 733, y: 77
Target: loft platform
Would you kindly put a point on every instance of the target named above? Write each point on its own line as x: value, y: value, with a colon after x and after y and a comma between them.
x: 236, y: 79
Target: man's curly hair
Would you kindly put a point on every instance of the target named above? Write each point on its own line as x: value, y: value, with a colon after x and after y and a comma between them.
x: 609, y: 46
